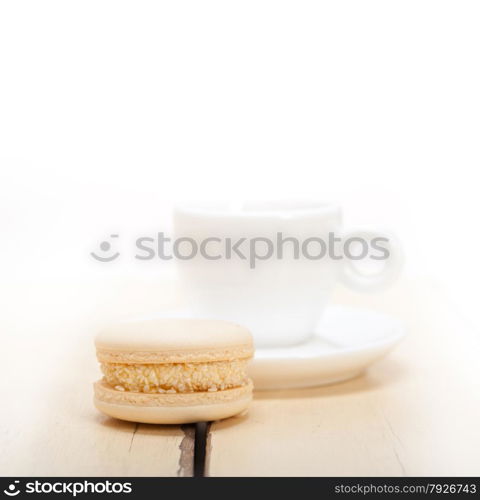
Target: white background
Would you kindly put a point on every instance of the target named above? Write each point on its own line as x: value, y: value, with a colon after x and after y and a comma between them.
x: 112, y: 111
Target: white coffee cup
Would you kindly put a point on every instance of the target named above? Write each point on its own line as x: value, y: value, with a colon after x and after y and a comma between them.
x: 281, y: 297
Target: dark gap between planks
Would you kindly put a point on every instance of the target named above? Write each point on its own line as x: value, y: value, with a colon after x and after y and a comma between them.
x: 200, y: 449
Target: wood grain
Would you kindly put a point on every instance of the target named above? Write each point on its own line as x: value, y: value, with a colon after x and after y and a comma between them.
x: 414, y: 413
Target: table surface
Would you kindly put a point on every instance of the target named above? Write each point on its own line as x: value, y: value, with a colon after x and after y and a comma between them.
x: 416, y: 412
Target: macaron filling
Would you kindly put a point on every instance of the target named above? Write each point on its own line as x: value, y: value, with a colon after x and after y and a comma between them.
x: 176, y: 377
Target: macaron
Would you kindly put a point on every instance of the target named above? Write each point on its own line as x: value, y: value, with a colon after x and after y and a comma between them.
x: 173, y: 371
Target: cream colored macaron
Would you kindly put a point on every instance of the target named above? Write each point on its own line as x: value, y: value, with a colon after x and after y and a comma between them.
x: 173, y: 371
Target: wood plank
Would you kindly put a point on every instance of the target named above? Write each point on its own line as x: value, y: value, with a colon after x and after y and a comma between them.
x: 414, y: 413
x: 49, y: 425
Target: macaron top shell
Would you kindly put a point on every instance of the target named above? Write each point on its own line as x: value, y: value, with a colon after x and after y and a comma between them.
x: 173, y: 341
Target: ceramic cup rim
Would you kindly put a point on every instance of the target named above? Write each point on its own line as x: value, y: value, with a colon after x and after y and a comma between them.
x: 290, y: 209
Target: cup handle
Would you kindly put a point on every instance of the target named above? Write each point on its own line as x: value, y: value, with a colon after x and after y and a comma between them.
x: 357, y: 279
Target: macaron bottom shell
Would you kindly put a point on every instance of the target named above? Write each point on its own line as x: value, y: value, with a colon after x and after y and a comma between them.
x: 180, y: 408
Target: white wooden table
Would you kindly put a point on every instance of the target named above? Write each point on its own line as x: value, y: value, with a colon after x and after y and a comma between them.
x: 414, y: 413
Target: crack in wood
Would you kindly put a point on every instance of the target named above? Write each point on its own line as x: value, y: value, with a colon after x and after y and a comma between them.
x: 201, y: 435
x: 208, y: 450
x: 395, y: 451
x: 135, y: 429
x: 187, y: 447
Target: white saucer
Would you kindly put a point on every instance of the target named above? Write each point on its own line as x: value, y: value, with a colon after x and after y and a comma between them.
x: 346, y: 342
